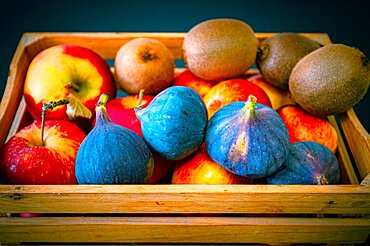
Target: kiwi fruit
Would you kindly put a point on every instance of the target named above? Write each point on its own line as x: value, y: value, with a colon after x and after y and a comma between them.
x: 144, y: 63
x: 330, y: 80
x: 219, y: 49
x: 277, y: 55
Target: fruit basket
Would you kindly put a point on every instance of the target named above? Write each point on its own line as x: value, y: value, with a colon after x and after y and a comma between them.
x: 165, y: 213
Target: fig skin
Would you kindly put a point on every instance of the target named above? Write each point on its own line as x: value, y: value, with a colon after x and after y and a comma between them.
x: 174, y: 122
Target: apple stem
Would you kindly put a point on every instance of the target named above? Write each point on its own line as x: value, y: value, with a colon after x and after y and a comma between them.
x: 139, y: 106
x: 141, y: 95
x: 45, y: 108
x: 73, y: 86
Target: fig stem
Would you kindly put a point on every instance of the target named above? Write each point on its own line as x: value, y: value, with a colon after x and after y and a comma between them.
x: 103, y: 99
x: 49, y: 106
x: 321, y: 180
x: 251, y: 103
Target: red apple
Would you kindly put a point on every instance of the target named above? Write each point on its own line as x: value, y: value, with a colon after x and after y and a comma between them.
x: 199, y: 168
x: 187, y: 78
x: 121, y: 111
x: 162, y: 168
x: 233, y: 90
x: 278, y: 96
x: 25, y: 160
x: 67, y: 71
x: 303, y: 126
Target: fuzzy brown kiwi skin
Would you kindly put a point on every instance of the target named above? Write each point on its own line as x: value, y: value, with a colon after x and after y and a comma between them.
x: 330, y: 80
x: 219, y: 49
x: 277, y: 55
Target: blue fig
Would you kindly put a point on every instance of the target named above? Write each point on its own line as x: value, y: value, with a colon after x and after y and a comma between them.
x: 174, y: 123
x: 247, y: 138
x: 308, y: 163
x: 112, y: 154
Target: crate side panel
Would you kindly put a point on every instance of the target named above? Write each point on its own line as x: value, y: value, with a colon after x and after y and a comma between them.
x: 347, y: 172
x: 184, y: 230
x: 172, y: 199
x: 13, y: 91
x: 358, y: 140
x: 107, y: 44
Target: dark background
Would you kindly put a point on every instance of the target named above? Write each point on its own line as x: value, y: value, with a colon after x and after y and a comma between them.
x: 345, y: 22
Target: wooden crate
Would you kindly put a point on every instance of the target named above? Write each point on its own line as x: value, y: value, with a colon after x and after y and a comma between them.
x: 165, y: 213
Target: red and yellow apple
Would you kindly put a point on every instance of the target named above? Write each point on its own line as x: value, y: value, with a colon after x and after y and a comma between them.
x: 278, y: 96
x: 303, y: 126
x: 187, y: 78
x: 233, y: 90
x: 25, y: 159
x: 199, y: 168
x: 67, y: 71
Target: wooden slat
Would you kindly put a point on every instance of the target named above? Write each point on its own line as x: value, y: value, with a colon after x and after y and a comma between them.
x: 322, y: 38
x: 366, y: 180
x: 358, y: 140
x: 184, y: 229
x: 13, y: 90
x: 347, y: 172
x: 107, y: 44
x: 21, y: 119
x: 171, y: 199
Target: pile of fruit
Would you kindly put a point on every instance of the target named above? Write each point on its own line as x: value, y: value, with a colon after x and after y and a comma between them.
x: 213, y: 123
